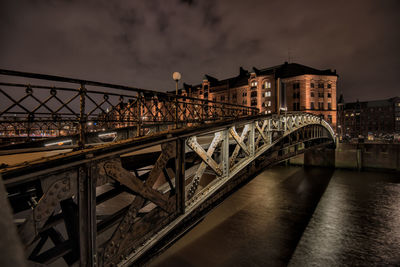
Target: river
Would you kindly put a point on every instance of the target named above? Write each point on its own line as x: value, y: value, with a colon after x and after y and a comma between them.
x: 298, y: 217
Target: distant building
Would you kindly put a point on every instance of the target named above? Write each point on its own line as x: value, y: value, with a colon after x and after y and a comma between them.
x: 290, y: 85
x: 369, y: 118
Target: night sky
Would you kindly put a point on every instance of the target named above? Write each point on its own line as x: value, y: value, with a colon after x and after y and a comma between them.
x: 140, y: 43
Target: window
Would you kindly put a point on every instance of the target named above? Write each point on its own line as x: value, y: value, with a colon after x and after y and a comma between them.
x: 329, y: 106
x: 312, y: 105
x: 298, y: 95
x: 244, y: 94
x: 329, y: 85
x: 266, y: 85
x: 397, y: 118
x: 254, y: 102
x: 222, y: 98
x: 206, y: 87
x: 294, y: 106
x: 320, y: 105
x: 294, y: 95
x: 329, y: 95
x: 267, y: 93
x: 253, y: 94
x: 268, y: 103
x: 320, y: 94
x: 296, y: 85
x: 253, y: 84
x: 330, y: 118
x: 312, y: 94
x: 234, y: 96
x: 320, y: 85
x: 312, y: 85
x: 214, y: 99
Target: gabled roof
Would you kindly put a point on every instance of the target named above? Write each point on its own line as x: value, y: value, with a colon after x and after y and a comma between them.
x: 287, y: 70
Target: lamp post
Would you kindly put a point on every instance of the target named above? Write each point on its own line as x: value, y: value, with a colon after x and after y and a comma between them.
x: 176, y: 76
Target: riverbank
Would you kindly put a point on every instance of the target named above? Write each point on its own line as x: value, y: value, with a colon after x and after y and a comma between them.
x: 373, y: 157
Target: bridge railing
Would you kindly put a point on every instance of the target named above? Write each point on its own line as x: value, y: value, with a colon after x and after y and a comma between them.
x: 64, y: 106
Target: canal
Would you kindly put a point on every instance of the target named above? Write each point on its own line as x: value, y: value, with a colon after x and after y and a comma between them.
x: 298, y: 217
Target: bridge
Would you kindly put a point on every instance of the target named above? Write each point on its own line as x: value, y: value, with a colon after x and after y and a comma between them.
x: 122, y: 202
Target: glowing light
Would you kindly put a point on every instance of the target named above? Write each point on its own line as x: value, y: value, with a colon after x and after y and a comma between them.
x: 107, y: 134
x: 60, y: 143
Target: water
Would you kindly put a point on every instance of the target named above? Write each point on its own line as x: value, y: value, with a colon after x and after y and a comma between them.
x: 298, y: 217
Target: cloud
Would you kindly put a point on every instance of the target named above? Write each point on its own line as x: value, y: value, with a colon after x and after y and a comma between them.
x: 140, y: 43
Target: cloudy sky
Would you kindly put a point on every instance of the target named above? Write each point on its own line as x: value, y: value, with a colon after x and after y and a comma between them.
x: 140, y: 43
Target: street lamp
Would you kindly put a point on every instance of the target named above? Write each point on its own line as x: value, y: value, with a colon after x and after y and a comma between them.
x: 176, y: 76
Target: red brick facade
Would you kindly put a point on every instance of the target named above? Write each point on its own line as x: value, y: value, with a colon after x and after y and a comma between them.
x: 295, y: 86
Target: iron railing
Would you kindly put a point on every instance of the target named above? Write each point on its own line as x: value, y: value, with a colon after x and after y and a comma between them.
x: 83, y: 106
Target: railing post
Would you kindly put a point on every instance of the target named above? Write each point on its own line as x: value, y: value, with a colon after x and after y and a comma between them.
x: 251, y: 138
x: 139, y: 114
x: 82, y: 117
x: 225, y: 153
x: 180, y: 176
x: 87, y: 178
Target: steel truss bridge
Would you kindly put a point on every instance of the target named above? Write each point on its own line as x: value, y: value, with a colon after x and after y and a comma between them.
x: 121, y: 203
x: 83, y: 110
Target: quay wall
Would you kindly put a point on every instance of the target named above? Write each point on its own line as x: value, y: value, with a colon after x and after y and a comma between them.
x: 353, y: 156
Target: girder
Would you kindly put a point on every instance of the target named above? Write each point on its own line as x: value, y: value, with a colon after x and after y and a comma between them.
x: 123, y: 209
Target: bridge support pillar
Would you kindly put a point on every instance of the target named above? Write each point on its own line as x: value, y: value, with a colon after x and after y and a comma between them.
x: 323, y: 157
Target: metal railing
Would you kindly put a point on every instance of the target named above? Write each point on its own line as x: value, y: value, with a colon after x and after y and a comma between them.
x: 85, y: 106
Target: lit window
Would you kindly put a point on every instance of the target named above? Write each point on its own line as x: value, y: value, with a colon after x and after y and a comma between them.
x: 397, y: 118
x: 268, y: 94
x: 253, y: 84
x: 352, y: 115
x: 267, y: 85
x: 268, y: 103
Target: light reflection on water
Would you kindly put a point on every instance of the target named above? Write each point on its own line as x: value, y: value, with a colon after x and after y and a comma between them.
x: 356, y: 222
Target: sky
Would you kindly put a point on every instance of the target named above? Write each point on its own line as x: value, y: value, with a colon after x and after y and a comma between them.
x: 141, y: 43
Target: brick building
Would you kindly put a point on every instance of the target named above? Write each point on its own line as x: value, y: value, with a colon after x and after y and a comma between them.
x: 369, y: 118
x: 294, y: 86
